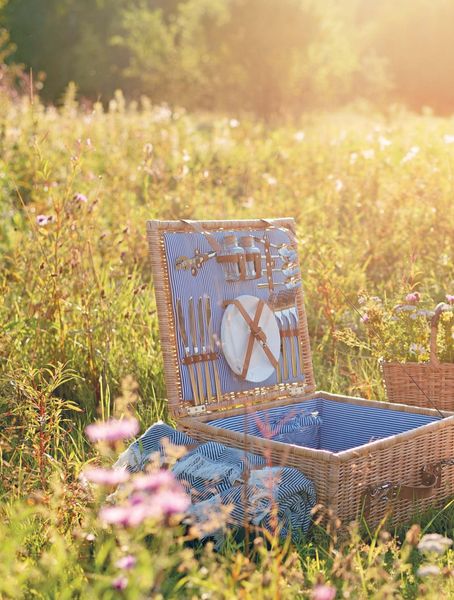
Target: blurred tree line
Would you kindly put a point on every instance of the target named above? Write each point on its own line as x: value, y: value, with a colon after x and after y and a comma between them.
x: 265, y: 56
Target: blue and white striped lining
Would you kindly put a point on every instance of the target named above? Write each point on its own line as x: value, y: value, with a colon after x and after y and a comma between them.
x: 210, y: 281
x: 343, y: 425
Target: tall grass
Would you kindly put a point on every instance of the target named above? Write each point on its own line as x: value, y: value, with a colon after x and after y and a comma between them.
x: 372, y: 198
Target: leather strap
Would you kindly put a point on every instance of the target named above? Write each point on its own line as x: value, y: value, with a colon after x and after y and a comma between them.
x: 389, y: 492
x: 195, y: 225
x: 256, y: 334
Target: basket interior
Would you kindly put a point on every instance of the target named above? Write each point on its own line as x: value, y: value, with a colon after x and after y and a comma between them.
x: 336, y: 427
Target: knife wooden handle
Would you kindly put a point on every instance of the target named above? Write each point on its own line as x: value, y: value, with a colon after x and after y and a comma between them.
x: 193, y: 383
x: 217, y: 382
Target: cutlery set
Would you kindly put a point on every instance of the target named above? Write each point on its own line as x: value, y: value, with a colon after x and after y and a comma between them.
x: 199, y: 349
x: 284, y: 305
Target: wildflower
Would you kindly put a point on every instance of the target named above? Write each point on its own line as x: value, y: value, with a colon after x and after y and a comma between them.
x: 365, y: 318
x: 434, y: 543
x: 112, y: 430
x: 234, y: 123
x: 80, y: 198
x: 426, y: 570
x: 368, y: 154
x: 339, y: 185
x: 324, y: 592
x: 126, y: 562
x: 448, y: 138
x: 416, y: 348
x: 412, y: 536
x: 171, y: 502
x: 414, y: 150
x: 384, y: 142
x: 110, y: 477
x: 299, y: 136
x: 412, y: 298
x: 269, y: 179
x: 353, y: 158
x: 115, y: 515
x: 43, y: 220
x: 450, y: 298
x: 154, y: 481
x: 120, y: 583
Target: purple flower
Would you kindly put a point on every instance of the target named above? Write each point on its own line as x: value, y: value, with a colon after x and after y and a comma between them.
x: 126, y: 562
x: 412, y: 298
x: 112, y: 430
x: 365, y: 318
x: 43, y: 220
x: 80, y: 198
x: 120, y: 583
x: 324, y: 592
x: 109, y: 477
x: 450, y: 298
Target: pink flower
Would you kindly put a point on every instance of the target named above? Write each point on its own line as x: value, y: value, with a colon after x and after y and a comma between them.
x: 80, y: 198
x: 43, y: 220
x: 450, y: 298
x: 171, y: 502
x: 324, y: 592
x: 112, y: 430
x: 153, y: 481
x: 365, y: 318
x: 126, y: 562
x: 412, y: 298
x: 120, y: 583
x: 115, y: 515
x: 109, y: 477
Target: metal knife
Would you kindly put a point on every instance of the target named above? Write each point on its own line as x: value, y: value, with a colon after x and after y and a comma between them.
x: 195, y: 346
x: 298, y: 341
x: 284, y: 371
x: 187, y: 351
x: 210, y: 347
x: 204, y: 348
x: 291, y: 341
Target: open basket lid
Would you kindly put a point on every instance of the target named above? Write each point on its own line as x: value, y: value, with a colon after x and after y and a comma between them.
x: 223, y: 289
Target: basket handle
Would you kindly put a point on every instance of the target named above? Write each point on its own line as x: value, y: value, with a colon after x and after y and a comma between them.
x: 441, y: 307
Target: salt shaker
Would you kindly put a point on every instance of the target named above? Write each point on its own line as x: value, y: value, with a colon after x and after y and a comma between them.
x: 232, y: 270
x: 252, y: 255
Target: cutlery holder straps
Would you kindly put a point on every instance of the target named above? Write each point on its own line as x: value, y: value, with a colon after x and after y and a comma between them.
x: 256, y: 334
x: 198, y: 358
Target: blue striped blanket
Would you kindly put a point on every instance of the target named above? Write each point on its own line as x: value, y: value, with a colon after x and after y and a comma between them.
x: 216, y: 477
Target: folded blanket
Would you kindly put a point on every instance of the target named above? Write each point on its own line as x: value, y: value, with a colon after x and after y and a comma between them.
x: 152, y: 441
x: 274, y: 494
x: 213, y: 468
x: 216, y: 476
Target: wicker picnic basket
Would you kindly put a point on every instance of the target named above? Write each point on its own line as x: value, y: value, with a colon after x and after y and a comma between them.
x: 372, y: 459
x: 422, y: 384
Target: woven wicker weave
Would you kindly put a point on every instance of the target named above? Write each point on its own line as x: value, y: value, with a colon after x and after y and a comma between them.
x: 404, y: 473
x: 422, y: 384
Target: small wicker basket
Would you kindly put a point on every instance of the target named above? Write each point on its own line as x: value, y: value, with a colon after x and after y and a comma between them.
x: 428, y: 384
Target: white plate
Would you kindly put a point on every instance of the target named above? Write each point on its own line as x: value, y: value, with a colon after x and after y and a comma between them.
x: 235, y: 337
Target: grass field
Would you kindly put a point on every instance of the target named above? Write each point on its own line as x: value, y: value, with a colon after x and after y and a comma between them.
x: 372, y: 196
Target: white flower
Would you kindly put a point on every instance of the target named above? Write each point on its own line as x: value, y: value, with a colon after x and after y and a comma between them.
x: 425, y: 570
x: 414, y: 150
x: 434, y: 543
x: 368, y: 154
x: 269, y: 179
x: 299, y: 136
x: 384, y: 142
x: 448, y: 138
x: 234, y: 123
x: 339, y: 185
x: 353, y: 158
